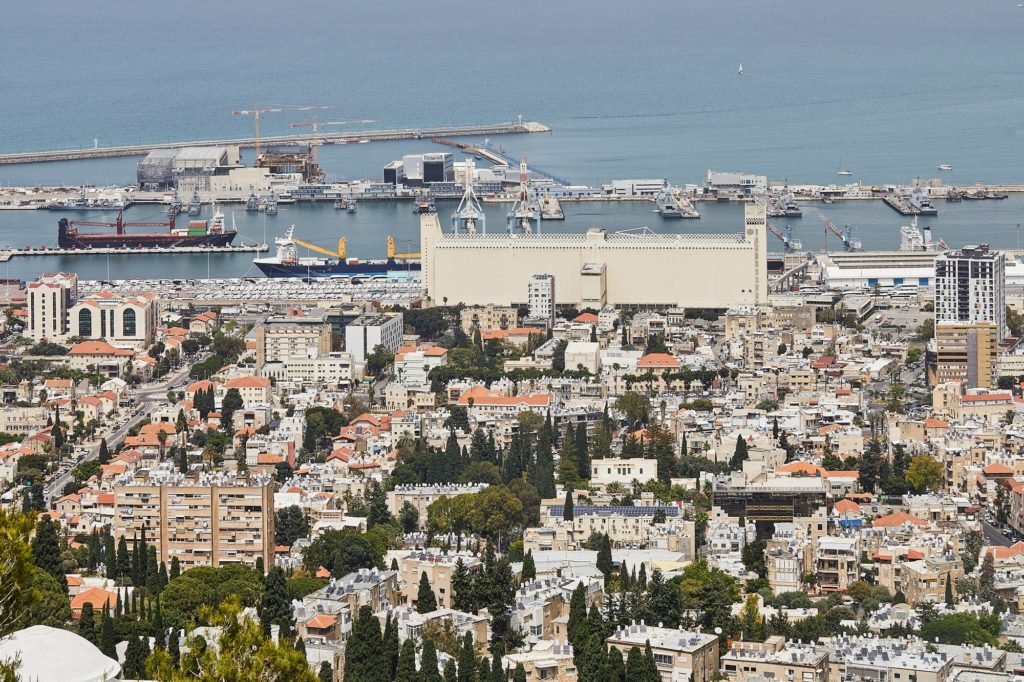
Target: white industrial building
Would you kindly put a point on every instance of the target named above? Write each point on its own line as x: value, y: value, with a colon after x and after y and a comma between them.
x: 745, y: 183
x: 598, y: 268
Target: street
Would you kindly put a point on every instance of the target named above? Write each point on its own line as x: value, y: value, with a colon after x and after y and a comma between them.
x: 145, y: 397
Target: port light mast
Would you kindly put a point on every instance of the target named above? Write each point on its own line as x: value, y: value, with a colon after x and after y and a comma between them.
x: 257, y: 112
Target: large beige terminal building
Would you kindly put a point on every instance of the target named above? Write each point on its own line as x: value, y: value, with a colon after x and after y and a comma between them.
x: 598, y: 268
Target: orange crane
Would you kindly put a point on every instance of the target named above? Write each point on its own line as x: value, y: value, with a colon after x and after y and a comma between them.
x: 391, y: 251
x: 339, y: 254
x: 256, y: 112
x: 314, y: 124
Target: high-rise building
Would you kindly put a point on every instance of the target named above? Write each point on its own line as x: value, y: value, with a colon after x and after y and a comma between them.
x: 970, y: 286
x: 970, y: 315
x: 49, y: 299
x: 202, y: 519
x: 541, y: 297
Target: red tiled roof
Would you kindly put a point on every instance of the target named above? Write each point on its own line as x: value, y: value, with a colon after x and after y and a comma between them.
x: 898, y: 519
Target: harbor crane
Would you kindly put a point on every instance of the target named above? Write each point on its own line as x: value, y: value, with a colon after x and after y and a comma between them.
x: 850, y: 243
x: 469, y: 217
x: 339, y: 254
x: 391, y: 251
x: 256, y: 112
x: 786, y: 237
x: 315, y: 141
x: 524, y: 214
x: 120, y: 223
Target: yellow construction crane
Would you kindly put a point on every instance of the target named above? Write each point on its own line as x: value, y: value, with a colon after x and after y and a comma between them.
x: 391, y: 251
x: 256, y: 112
x: 340, y: 254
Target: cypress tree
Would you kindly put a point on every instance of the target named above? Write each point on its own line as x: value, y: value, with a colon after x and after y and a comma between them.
x: 449, y: 671
x: 174, y: 646
x: 567, y: 456
x: 604, y: 556
x: 46, y: 549
x: 110, y: 556
x: 529, y: 567
x: 483, y: 670
x: 104, y: 456
x: 391, y: 646
x: 135, y: 659
x: 277, y: 609
x: 497, y: 671
x: 429, y: 670
x: 123, y: 558
x: 567, y: 506
x: 642, y: 580
x: 949, y: 590
x: 425, y: 599
x: 107, y: 636
x: 739, y: 455
x: 635, y: 665
x: 365, y: 657
x: 576, y: 628
x: 175, y: 568
x: 520, y: 673
x: 651, y: 673
x: 467, y: 660
x: 260, y: 566
x: 406, y: 670
x: 582, y: 453
x: 300, y: 646
x: 87, y: 623
x: 326, y: 673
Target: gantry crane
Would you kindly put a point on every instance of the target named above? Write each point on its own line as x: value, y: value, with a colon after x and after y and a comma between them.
x: 339, y: 254
x: 256, y: 112
x: 786, y: 237
x: 315, y: 141
x: 850, y: 243
x: 524, y: 214
x: 391, y: 251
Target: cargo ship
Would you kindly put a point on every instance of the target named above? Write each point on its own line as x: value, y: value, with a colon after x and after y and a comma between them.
x: 197, y: 233
x: 287, y: 263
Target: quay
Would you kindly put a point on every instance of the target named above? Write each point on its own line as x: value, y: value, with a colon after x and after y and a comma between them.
x: 327, y: 137
x: 551, y: 209
x: 900, y: 205
x: 8, y: 254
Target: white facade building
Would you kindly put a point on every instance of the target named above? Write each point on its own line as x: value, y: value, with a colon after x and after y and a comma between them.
x: 367, y: 332
x: 49, y: 300
x: 541, y: 297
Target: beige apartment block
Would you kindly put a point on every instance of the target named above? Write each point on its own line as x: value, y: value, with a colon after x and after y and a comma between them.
x: 202, y: 519
x: 679, y: 655
x: 777, y: 659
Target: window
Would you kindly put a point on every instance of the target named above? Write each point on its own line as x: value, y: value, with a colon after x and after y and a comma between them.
x: 128, y: 322
x: 85, y: 322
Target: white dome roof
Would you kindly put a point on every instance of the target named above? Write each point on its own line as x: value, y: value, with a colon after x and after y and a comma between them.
x: 54, y: 655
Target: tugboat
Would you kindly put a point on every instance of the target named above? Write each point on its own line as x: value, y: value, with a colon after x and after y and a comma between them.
x: 252, y: 204
x: 195, y: 206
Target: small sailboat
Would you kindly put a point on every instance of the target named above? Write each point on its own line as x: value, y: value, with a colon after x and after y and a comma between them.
x: 843, y: 170
x: 740, y: 70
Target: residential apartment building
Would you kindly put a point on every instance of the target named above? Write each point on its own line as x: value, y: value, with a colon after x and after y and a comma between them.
x: 924, y: 580
x: 366, y: 332
x: 679, y: 655
x: 876, y: 659
x: 837, y: 563
x: 202, y: 519
x: 488, y: 317
x: 777, y: 659
x: 604, y: 472
x: 546, y: 661
x: 540, y: 295
x: 438, y: 566
x: 49, y: 299
x: 295, y: 335
x: 967, y: 353
x: 420, y: 496
x: 331, y: 370
x: 327, y: 615
x: 970, y: 286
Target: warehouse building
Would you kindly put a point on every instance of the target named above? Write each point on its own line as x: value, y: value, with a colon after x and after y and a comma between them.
x: 598, y: 268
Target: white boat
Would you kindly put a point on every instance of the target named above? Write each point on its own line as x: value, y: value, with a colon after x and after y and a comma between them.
x: 945, y: 167
x: 740, y: 70
x: 843, y: 170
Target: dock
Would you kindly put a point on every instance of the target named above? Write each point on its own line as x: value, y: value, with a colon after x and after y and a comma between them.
x: 8, y: 254
x: 551, y: 209
x: 327, y: 137
x: 900, y: 205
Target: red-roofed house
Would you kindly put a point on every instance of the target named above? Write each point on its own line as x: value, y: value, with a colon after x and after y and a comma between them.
x: 482, y: 401
x: 95, y: 596
x: 897, y: 519
x: 99, y: 356
x: 254, y: 390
